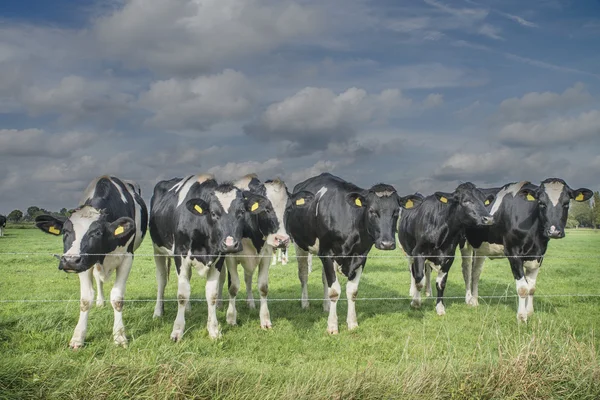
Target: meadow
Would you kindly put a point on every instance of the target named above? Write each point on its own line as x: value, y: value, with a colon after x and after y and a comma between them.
x: 396, y: 352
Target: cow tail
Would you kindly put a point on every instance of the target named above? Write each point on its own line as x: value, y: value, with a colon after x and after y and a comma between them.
x: 168, y: 268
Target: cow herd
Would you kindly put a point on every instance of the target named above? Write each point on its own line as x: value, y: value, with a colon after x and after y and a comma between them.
x: 212, y: 227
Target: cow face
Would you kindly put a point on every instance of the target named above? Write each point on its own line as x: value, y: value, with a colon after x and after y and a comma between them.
x: 224, y: 215
x: 278, y: 195
x: 381, y: 206
x: 87, y: 237
x: 553, y: 198
x: 470, y: 204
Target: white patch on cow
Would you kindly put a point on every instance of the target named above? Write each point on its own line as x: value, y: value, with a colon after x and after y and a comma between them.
x: 315, y: 247
x: 385, y: 193
x: 200, y: 267
x: 226, y: 198
x: 81, y: 219
x: 522, y: 292
x: 554, y: 190
x: 510, y: 189
x: 244, y: 182
x: 320, y: 194
x: 123, y: 198
x: 278, y: 196
x: 490, y: 250
x: 334, y: 294
x: 183, y: 186
x: 351, y: 292
x: 531, y: 271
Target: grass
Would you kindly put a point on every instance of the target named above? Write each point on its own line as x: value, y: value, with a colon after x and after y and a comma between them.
x: 396, y: 352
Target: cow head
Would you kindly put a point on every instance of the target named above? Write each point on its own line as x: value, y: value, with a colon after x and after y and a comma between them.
x: 381, y: 206
x: 224, y: 211
x: 470, y: 204
x: 278, y: 195
x: 87, y: 236
x: 552, y: 198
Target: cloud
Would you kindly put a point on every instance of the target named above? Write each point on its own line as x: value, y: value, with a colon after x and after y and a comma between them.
x: 233, y: 170
x: 535, y: 105
x: 558, y: 131
x: 521, y: 21
x: 188, y: 37
x: 199, y: 103
x: 319, y: 167
x: 490, y: 31
x: 37, y: 143
x: 468, y: 110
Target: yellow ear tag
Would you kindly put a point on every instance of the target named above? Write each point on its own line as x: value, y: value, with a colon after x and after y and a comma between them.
x: 119, y: 230
x: 579, y: 197
x: 300, y: 202
x: 358, y: 202
x: 198, y: 208
x: 54, y: 231
x: 409, y: 204
x: 487, y: 203
x: 530, y: 197
x: 254, y: 207
x: 443, y: 199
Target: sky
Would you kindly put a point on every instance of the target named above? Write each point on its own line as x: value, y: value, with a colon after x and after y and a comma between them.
x: 422, y: 95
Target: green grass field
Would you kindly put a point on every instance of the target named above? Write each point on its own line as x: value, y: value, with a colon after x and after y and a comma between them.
x: 396, y: 352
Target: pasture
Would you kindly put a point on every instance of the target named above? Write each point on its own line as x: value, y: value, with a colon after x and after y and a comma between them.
x: 396, y: 352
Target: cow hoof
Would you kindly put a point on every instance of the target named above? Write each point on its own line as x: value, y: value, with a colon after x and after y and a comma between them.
x: 157, y: 314
x: 251, y: 304
x: 473, y: 302
x: 352, y: 326
x: 100, y: 303
x: 177, y: 335
x: 75, y: 344
x: 415, y: 304
x: 231, y: 320
x: 305, y: 305
x: 266, y: 325
x: 121, y: 341
x: 332, y: 330
x: 440, y: 309
x: 522, y: 317
x: 215, y: 335
x: 529, y: 313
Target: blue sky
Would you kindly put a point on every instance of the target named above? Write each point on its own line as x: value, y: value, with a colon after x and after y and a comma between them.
x: 419, y: 94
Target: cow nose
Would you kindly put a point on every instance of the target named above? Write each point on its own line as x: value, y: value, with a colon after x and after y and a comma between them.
x: 74, y: 260
x: 556, y: 234
x: 387, y: 245
x: 487, y: 220
x: 282, y: 241
x: 230, y: 245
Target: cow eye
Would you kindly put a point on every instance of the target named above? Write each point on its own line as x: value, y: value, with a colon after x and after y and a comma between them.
x: 566, y: 205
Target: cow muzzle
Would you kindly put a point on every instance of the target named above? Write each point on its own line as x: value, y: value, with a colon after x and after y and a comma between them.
x: 554, y: 233
x: 386, y: 245
x: 487, y: 220
x: 281, y: 241
x: 230, y: 245
x: 71, y: 264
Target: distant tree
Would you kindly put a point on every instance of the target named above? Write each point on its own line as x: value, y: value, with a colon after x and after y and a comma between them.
x: 15, y: 216
x: 33, y: 212
x: 596, y: 210
x: 582, y: 213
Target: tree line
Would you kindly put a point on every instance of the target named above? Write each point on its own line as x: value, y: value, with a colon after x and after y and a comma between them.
x: 32, y: 212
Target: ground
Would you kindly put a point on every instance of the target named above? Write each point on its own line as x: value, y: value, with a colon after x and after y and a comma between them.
x: 396, y: 352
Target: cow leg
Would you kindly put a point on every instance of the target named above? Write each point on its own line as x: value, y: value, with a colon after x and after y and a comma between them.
x: 334, y: 291
x: 531, y: 269
x: 476, y: 273
x: 99, y: 286
x: 516, y: 265
x: 222, y: 277
x: 183, y: 296
x: 417, y: 280
x: 440, y: 285
x: 326, y: 304
x: 428, y: 290
x: 248, y: 279
x: 212, y: 283
x: 467, y: 268
x: 85, y: 301
x: 234, y: 287
x: 161, y: 282
x: 274, y: 258
x: 284, y: 257
x: 263, y: 288
x: 301, y: 256
x: 117, y: 297
x: 351, y: 292
x: 309, y: 260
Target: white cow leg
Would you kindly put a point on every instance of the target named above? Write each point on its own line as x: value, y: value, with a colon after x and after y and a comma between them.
x: 523, y: 293
x: 85, y: 302
x: 183, y: 297
x: 117, y: 297
x: 222, y: 278
x: 301, y: 256
x: 263, y: 288
x: 249, y: 296
x: 531, y: 271
x: 428, y: 290
x: 212, y: 284
x: 234, y: 287
x: 326, y: 302
x: 161, y: 283
x: 351, y: 292
x: 334, y: 294
x: 467, y: 268
x: 99, y: 286
x: 477, y: 268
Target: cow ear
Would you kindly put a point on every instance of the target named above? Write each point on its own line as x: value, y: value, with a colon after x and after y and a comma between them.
x: 444, y: 197
x: 489, y: 200
x: 254, y: 203
x: 410, y: 201
x: 197, y: 207
x: 122, y: 227
x: 581, y: 194
x: 49, y: 224
x: 528, y: 194
x: 356, y: 199
x: 301, y: 199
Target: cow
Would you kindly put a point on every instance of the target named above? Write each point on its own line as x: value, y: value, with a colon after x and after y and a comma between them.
x: 279, y: 256
x: 197, y: 221
x: 340, y: 222
x: 430, y: 234
x: 258, y: 246
x: 527, y: 216
x: 2, y: 224
x: 100, y: 236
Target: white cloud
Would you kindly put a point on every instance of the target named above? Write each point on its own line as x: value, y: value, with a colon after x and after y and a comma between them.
x: 519, y: 20
x: 37, y: 143
x: 490, y: 31
x: 468, y: 110
x: 197, y: 104
x: 233, y: 170
x: 319, y: 167
x: 192, y: 36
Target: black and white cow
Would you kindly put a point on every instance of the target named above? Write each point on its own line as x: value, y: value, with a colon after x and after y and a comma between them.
x: 2, y: 224
x: 430, y: 234
x: 258, y: 245
x: 280, y: 256
x: 197, y: 221
x: 100, y: 236
x: 340, y: 222
x: 527, y: 216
